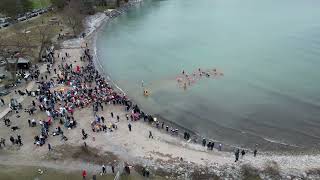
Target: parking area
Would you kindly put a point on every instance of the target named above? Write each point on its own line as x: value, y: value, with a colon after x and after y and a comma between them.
x: 8, y: 21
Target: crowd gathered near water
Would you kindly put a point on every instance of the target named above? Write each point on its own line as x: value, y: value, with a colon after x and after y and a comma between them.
x: 63, y: 90
x: 185, y: 80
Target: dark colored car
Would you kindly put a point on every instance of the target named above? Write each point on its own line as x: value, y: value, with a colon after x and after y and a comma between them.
x: 4, y: 92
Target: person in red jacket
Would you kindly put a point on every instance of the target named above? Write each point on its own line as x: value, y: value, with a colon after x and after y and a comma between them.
x: 84, y: 174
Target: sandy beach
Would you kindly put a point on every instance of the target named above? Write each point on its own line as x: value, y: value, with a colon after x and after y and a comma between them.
x: 165, y: 155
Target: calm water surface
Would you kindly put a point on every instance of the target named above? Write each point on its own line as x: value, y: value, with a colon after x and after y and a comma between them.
x: 269, y: 51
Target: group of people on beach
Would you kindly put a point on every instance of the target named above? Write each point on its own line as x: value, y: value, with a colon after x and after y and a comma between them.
x: 237, y: 153
x: 63, y: 90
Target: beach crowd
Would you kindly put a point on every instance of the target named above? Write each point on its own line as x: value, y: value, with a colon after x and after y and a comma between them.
x: 63, y: 90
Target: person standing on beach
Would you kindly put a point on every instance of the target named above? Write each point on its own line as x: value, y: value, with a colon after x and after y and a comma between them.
x: 204, y: 142
x: 2, y: 102
x: 11, y: 140
x: 243, y: 153
x: 150, y: 135
x: 104, y: 169
x: 129, y: 126
x: 255, y: 152
x: 111, y: 114
x: 112, y: 168
x: 237, y: 153
x: 49, y: 146
x: 84, y: 174
x: 102, y: 119
x: 19, y: 140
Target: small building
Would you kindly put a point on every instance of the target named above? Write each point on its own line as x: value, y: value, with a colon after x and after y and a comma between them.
x: 21, y: 64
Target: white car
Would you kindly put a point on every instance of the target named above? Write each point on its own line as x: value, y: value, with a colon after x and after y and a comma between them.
x: 23, y: 18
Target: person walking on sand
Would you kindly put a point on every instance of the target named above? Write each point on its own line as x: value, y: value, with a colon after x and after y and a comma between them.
x: 150, y: 135
x: 84, y: 174
x: 112, y: 168
x: 111, y: 114
x: 49, y: 146
x: 129, y: 126
x: 2, y: 102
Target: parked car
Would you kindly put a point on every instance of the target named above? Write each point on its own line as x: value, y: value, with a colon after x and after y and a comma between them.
x: 4, y: 24
x: 4, y: 92
x: 23, y: 18
x: 2, y: 76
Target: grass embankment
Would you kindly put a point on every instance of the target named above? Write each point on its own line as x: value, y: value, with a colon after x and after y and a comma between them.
x: 37, y: 4
x: 31, y: 27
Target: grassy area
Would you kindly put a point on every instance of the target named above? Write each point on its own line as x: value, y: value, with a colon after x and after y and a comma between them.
x: 31, y: 26
x: 40, y: 3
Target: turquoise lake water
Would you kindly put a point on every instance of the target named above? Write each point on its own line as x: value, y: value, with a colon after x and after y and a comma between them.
x: 268, y: 50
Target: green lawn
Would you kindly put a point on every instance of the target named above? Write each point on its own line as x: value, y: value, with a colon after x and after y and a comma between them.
x: 41, y: 3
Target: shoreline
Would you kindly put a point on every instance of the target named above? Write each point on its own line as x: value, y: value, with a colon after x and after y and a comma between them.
x: 269, y: 154
x: 279, y: 148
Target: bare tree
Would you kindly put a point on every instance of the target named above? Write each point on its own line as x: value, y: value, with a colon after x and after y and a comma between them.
x: 12, y: 49
x: 72, y: 16
x: 45, y: 34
